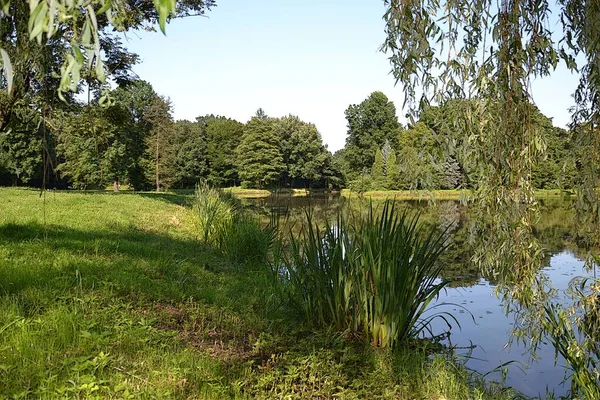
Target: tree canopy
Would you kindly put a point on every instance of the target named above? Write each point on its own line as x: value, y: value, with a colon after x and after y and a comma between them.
x: 370, y: 124
x: 76, y: 39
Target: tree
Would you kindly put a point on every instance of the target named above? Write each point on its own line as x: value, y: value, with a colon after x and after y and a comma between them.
x: 159, y: 118
x: 223, y: 136
x: 92, y: 148
x: 302, y: 150
x: 393, y: 173
x: 260, y: 163
x: 386, y: 150
x: 22, y: 154
x: 418, y: 166
x: 134, y: 102
x: 451, y: 177
x: 261, y: 114
x: 449, y: 139
x: 557, y: 169
x: 188, y: 155
x: 370, y: 124
x: 378, y: 171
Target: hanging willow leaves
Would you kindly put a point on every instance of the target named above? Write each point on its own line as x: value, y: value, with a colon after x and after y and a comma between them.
x: 488, y: 52
x: 78, y: 20
x: 6, y: 69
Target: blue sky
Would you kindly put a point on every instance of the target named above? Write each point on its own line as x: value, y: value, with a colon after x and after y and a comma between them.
x: 309, y: 58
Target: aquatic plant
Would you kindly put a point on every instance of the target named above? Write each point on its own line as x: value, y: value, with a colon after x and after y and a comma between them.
x: 397, y: 273
x: 372, y: 276
x: 214, y: 211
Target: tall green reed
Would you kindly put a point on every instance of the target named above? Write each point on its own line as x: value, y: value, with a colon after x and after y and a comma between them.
x: 372, y: 276
x: 318, y: 273
x: 397, y: 273
x: 214, y: 211
x: 223, y: 224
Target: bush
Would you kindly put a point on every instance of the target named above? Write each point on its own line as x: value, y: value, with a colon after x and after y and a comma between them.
x: 223, y: 224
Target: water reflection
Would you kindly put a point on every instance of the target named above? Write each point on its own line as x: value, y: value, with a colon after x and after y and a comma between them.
x: 490, y: 331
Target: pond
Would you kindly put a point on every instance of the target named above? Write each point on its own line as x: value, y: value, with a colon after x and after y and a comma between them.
x: 484, y: 326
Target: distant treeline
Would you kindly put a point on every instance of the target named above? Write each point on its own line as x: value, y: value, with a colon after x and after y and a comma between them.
x: 436, y: 151
x: 133, y: 140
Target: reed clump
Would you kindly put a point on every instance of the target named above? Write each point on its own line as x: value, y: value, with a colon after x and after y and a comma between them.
x: 215, y: 212
x: 372, y: 275
x: 224, y: 224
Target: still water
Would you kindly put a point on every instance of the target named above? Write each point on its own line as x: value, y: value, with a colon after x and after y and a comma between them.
x: 484, y: 326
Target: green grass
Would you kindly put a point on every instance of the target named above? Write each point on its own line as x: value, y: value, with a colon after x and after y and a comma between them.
x: 115, y: 296
x: 444, y: 194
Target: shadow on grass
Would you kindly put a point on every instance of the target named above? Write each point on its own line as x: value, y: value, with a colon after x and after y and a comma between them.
x: 178, y: 197
x: 174, y: 198
x: 129, y: 261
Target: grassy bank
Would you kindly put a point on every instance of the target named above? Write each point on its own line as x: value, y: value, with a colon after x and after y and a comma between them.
x: 258, y: 193
x: 113, y: 296
x: 443, y: 194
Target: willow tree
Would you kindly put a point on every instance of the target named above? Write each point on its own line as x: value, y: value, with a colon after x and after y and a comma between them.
x: 51, y: 46
x: 48, y: 48
x: 489, y: 52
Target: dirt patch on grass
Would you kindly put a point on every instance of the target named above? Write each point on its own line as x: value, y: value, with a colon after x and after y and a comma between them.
x: 221, y: 334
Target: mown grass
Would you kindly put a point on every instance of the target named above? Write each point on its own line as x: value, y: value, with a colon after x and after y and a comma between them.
x: 444, y: 194
x: 259, y: 193
x: 116, y: 296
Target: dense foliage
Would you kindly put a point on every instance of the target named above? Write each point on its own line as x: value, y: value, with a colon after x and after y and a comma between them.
x: 433, y: 152
x: 135, y: 141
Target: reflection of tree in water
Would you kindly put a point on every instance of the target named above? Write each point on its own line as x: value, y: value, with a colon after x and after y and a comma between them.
x: 555, y: 229
x: 449, y: 216
x: 290, y: 211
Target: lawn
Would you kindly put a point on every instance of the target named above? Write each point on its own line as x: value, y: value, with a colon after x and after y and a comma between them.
x: 108, y: 295
x: 454, y: 194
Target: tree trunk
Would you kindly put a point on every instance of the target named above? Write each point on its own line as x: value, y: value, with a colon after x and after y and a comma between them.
x: 157, y: 173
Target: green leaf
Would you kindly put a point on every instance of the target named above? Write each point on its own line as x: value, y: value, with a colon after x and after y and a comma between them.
x: 7, y: 68
x: 164, y: 8
x: 4, y: 7
x: 105, y: 7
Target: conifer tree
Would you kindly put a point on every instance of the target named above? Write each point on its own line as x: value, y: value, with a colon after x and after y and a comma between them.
x: 393, y: 172
x: 260, y: 163
x: 377, y: 171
